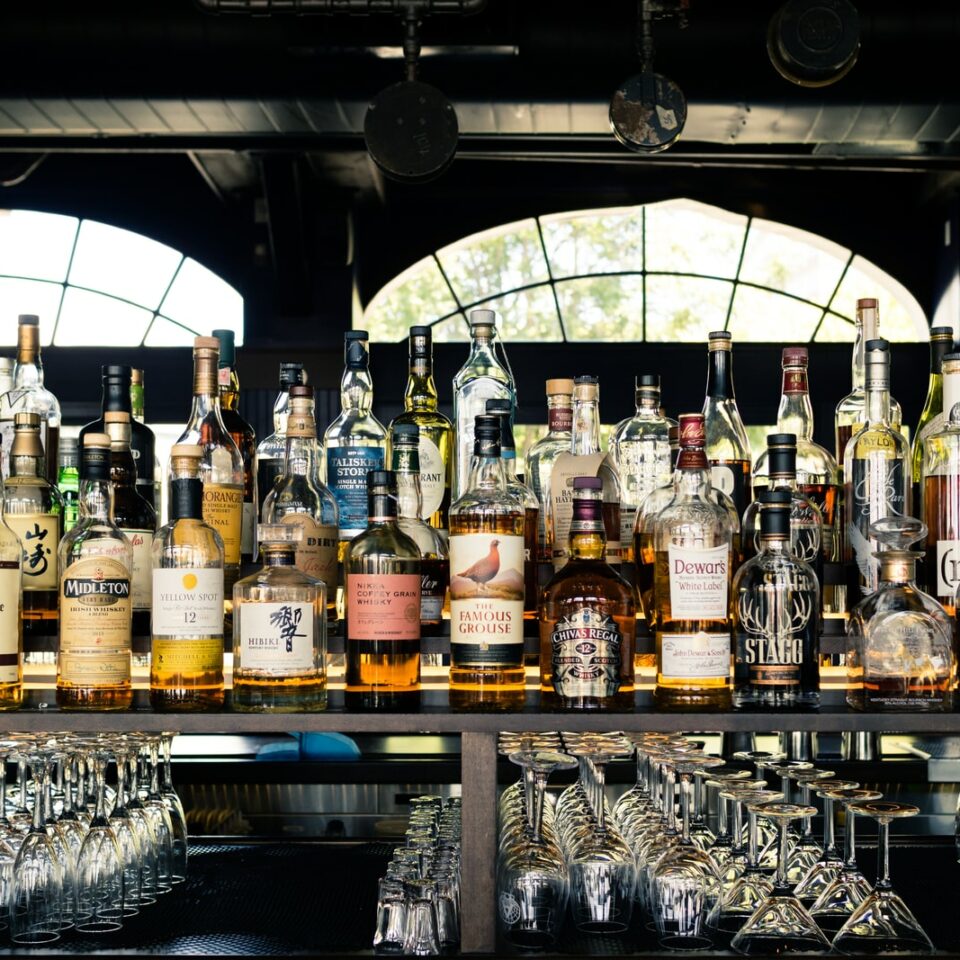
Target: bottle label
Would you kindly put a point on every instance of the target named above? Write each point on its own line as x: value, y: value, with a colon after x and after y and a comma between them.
x: 223, y: 377
x: 628, y: 517
x: 187, y: 600
x: 223, y: 510
x: 486, y: 598
x: 586, y: 655
x: 10, y: 628
x: 347, y: 469
x: 39, y: 535
x: 733, y: 481
x: 248, y: 528
x: 432, y: 594
x: 770, y: 638
x: 698, y: 582
x: 141, y: 590
x: 697, y: 656
x: 187, y: 655
x: 560, y: 419
x: 95, y: 612
x: 878, y: 491
x: 934, y: 425
x: 795, y: 381
x: 384, y: 607
x: 433, y: 477
x: 948, y: 568
x: 317, y: 549
x: 568, y: 466
x: 277, y: 637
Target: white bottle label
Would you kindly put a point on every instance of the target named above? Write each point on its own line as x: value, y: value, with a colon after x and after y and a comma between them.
x: 277, y: 637
x: 187, y: 601
x: 140, y: 576
x: 433, y: 475
x: 948, y: 567
x: 698, y: 582
x: 697, y: 656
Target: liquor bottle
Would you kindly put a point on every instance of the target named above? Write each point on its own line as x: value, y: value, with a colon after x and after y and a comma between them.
x: 436, y: 431
x: 299, y: 499
x: 776, y: 617
x: 640, y: 450
x: 486, y: 582
x: 485, y: 376
x: 538, y: 465
x: 28, y: 395
x: 272, y: 450
x: 135, y: 516
x: 588, y: 616
x: 900, y: 648
x: 933, y: 416
x: 11, y: 614
x: 851, y: 409
x: 434, y: 558
x: 186, y: 662
x: 585, y: 459
x: 221, y: 469
x: 117, y: 397
x: 693, y: 541
x: 355, y: 442
x: 33, y: 510
x: 95, y: 560
x: 531, y: 506
x: 244, y: 437
x: 279, y: 631
x: 728, y: 449
x: 875, y: 469
x: 940, y: 497
x: 382, y: 587
x: 68, y: 480
x: 137, y: 412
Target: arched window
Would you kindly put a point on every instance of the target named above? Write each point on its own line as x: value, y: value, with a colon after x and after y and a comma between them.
x: 670, y: 271
x: 92, y: 283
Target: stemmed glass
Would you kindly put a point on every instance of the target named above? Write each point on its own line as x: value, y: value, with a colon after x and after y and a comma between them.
x: 160, y: 822
x: 63, y: 842
x: 734, y: 865
x: 807, y: 850
x: 883, y: 923
x: 819, y: 877
x: 762, y: 760
x: 770, y: 854
x: 127, y: 840
x: 720, y: 778
x: 154, y: 851
x: 178, y: 818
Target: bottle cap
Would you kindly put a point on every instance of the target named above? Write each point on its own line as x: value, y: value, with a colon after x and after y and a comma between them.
x: 28, y: 320
x: 775, y: 514
x: 206, y: 343
x: 692, y: 433
x: 648, y: 382
x: 941, y: 333
x: 408, y: 432
x: 136, y: 376
x: 782, y: 440
x: 486, y: 427
x: 483, y: 318
x: 116, y: 371
x: 29, y: 421
x: 281, y: 534
x: 68, y: 444
x: 291, y: 372
x: 867, y: 303
x: 782, y: 455
x: 879, y: 344
x: 795, y: 357
x: 96, y: 440
x: 720, y: 340
x: 499, y: 405
x: 381, y: 478
x: 586, y: 388
x: 116, y: 416
x: 301, y: 390
x: 421, y: 342
x: 95, y: 462
x: 355, y: 349
x: 561, y: 387
x: 228, y: 349
x: 192, y: 451
x: 587, y: 483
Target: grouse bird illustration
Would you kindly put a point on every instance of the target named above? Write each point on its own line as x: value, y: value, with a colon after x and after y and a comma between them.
x: 483, y: 571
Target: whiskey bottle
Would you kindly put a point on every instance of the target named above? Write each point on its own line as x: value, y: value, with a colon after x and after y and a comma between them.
x: 382, y: 587
x: 776, y: 617
x: 117, y: 397
x: 541, y: 457
x: 486, y: 583
x: 531, y: 506
x: 95, y: 560
x: 485, y: 376
x: 228, y: 383
x: 186, y: 663
x: 932, y: 417
x: 68, y: 480
x: 875, y: 469
x: 434, y: 559
x: 588, y: 617
x: 135, y: 516
x: 11, y: 616
x: 693, y: 543
x: 33, y: 510
x: 355, y: 442
x: 299, y: 499
x: 150, y: 491
x: 272, y: 450
x: 29, y: 395
x: 728, y: 449
x: 279, y: 631
x: 436, y: 432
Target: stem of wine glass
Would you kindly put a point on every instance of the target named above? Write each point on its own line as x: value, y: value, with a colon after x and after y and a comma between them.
x: 785, y: 787
x: 528, y: 794
x: 39, y: 775
x: 698, y: 817
x: 3, y: 789
x: 883, y: 855
x: 753, y: 853
x: 540, y: 784
x: 782, y: 826
x: 850, y: 840
x: 737, y: 825
x: 829, y: 838
x: 68, y: 779
x: 22, y: 784
x: 686, y: 788
x: 723, y: 818
x: 600, y: 773
x: 48, y: 797
x: 154, y: 763
x: 166, y: 744
x: 670, y: 798
x: 121, y: 801
x: 100, y: 779
x: 805, y: 800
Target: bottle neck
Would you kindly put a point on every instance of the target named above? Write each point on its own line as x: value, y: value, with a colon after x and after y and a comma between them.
x: 878, y: 404
x: 692, y: 480
x: 356, y: 390
x: 587, y: 540
x: 281, y: 408
x: 784, y: 481
x: 187, y: 498
x: 284, y: 556
x: 136, y: 401
x: 774, y: 544
x: 559, y: 414
x: 795, y: 414
x: 228, y: 384
x: 28, y: 370
x: 900, y: 569
x: 421, y: 392
x: 123, y: 468
x: 116, y: 397
x: 406, y: 467
x: 586, y: 427
x: 382, y: 509
x: 204, y: 405
x: 96, y: 500
x: 486, y: 473
x: 300, y: 458
x: 720, y: 375
x: 648, y: 405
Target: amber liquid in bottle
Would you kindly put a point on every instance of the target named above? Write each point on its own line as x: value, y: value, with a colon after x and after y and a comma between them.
x: 942, y: 524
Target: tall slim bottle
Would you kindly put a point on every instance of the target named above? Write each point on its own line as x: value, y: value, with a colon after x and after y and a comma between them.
x: 933, y: 416
x: 68, y: 480
x: 271, y: 451
x: 137, y: 412
x: 485, y: 376
x: 11, y: 614
x: 435, y: 431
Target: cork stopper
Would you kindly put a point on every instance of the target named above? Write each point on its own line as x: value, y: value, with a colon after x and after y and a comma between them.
x: 560, y: 387
x: 189, y: 451
x: 116, y: 416
x: 206, y: 358
x: 96, y: 440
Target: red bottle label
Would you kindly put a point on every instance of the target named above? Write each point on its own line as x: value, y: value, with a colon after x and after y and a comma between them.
x: 795, y: 381
x: 560, y: 419
x: 385, y: 607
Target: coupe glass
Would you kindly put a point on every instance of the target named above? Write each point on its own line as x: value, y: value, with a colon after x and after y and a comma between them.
x: 827, y: 868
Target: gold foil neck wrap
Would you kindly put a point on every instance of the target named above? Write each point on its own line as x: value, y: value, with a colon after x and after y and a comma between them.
x: 206, y: 360
x: 118, y: 427
x: 26, y: 438
x: 28, y: 342
x: 136, y: 376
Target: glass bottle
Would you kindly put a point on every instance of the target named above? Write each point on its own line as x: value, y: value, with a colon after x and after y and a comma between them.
x: 95, y: 560
x: 776, y: 617
x: 228, y: 384
x: 28, y: 395
x: 117, y: 396
x: 849, y: 417
x: 221, y: 469
x: 68, y: 480
x: 355, y: 442
x: 436, y: 431
x: 272, y: 450
x: 486, y: 582
x: 588, y: 617
x: 875, y: 469
x: 137, y: 412
x: 434, y: 560
x: 299, y: 499
x: 12, y: 596
x: 7, y: 365
x: 33, y: 510
x: 135, y: 516
x: 485, y: 376
x: 933, y: 417
x: 279, y: 631
x: 693, y: 542
x: 382, y: 589
x: 900, y: 649
x: 728, y: 449
x: 186, y: 663
x: 531, y: 506
x: 541, y: 457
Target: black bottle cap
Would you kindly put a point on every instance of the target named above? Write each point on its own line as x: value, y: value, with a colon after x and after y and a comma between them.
x: 291, y: 372
x: 499, y: 405
x: 95, y: 458
x: 782, y: 458
x: 586, y: 378
x: 941, y: 333
x: 407, y: 431
x: 775, y: 517
x: 421, y: 343
x: 487, y: 426
x: 880, y: 344
x: 774, y: 497
x: 355, y: 349
x: 587, y: 483
x: 381, y: 478
x: 648, y: 381
x: 115, y: 371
